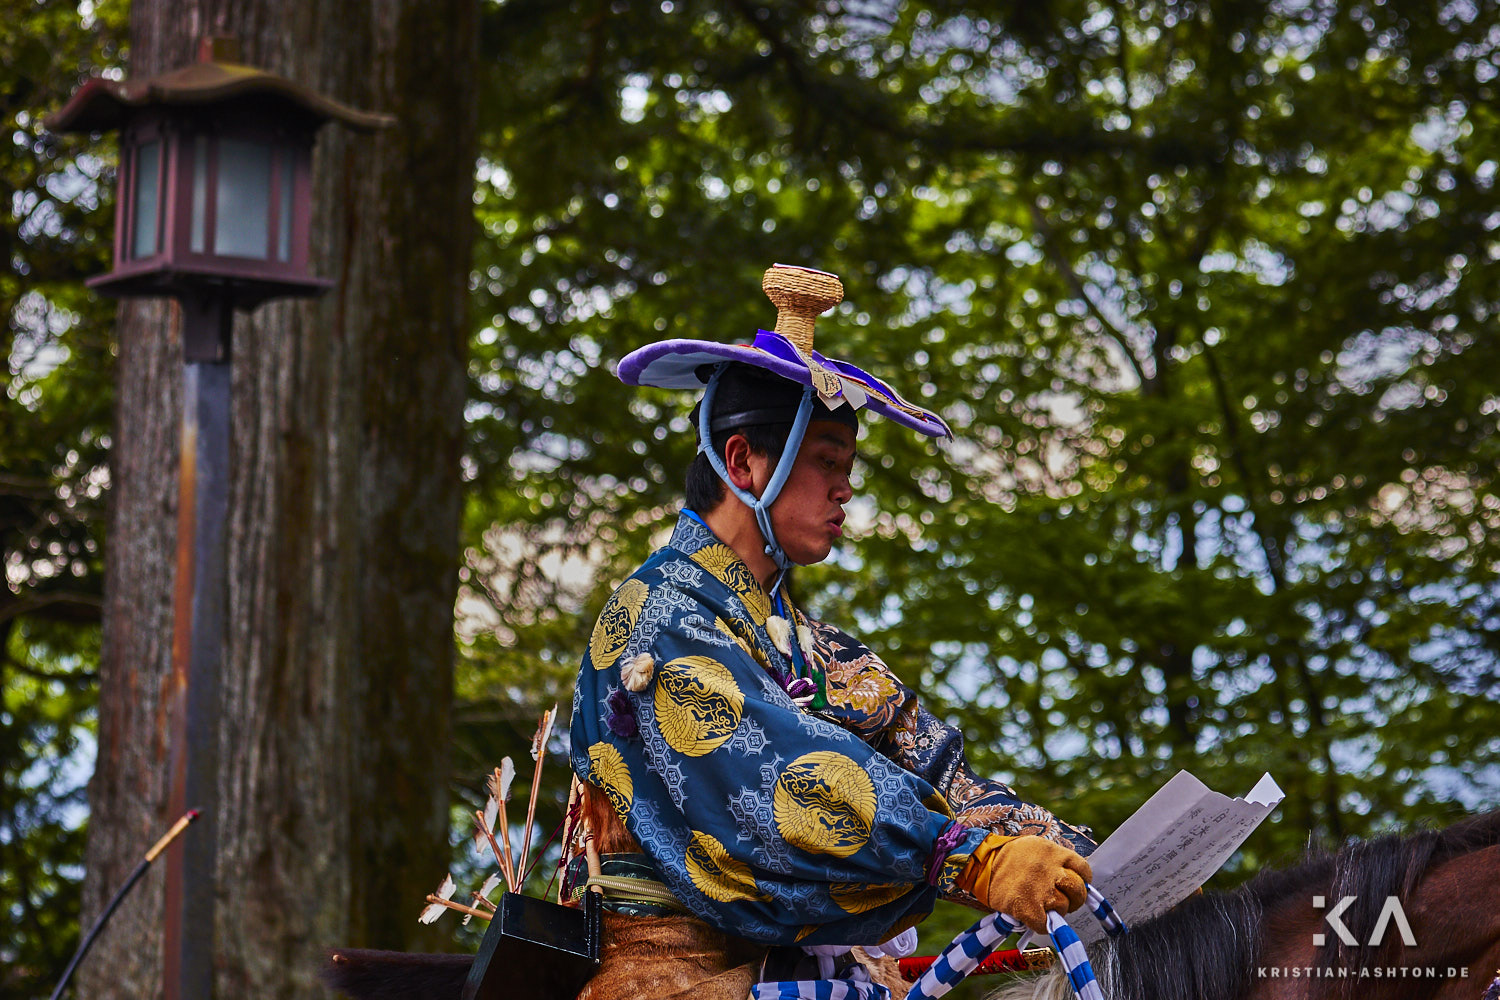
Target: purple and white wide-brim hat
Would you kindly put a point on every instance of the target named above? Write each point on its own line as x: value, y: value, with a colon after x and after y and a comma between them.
x: 801, y: 295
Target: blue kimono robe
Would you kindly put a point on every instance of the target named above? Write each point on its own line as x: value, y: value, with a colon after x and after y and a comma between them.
x: 767, y: 821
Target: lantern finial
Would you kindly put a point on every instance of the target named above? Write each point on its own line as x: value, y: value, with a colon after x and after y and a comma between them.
x: 214, y: 176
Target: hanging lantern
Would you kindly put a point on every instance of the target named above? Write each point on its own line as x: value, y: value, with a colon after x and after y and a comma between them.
x: 215, y: 177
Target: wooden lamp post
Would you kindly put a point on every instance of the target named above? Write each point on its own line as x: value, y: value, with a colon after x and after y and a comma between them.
x: 212, y: 209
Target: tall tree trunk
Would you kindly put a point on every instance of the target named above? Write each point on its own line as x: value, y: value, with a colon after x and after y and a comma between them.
x: 343, y: 523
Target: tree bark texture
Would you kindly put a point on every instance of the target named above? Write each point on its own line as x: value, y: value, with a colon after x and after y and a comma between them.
x: 343, y: 524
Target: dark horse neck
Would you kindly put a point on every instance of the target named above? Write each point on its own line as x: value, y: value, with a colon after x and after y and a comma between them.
x: 396, y: 975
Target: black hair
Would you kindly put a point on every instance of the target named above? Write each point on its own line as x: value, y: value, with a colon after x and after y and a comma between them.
x: 704, y: 489
x: 742, y: 389
x: 744, y: 394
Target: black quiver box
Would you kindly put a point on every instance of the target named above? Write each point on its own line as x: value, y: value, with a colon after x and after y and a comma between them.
x: 536, y: 949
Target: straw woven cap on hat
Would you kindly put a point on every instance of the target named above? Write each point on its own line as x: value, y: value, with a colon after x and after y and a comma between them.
x: 800, y: 295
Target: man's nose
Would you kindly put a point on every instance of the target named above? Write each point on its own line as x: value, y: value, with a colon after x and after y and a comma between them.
x: 842, y: 492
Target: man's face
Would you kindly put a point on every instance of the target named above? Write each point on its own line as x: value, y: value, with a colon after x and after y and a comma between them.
x: 808, y: 515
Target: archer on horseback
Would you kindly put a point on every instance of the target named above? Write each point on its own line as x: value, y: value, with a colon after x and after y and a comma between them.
x: 761, y: 792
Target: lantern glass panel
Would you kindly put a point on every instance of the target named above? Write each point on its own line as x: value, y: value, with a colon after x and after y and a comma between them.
x: 287, y: 196
x: 242, y: 208
x: 147, y: 212
x: 200, y: 193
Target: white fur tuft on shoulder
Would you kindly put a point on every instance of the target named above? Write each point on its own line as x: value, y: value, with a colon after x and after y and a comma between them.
x: 637, y: 672
x: 780, y: 631
x: 805, y: 640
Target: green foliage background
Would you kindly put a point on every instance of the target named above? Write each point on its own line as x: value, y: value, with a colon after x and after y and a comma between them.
x: 1207, y: 290
x: 55, y: 426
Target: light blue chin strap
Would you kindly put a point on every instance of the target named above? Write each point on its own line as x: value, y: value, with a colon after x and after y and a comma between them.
x: 760, y: 505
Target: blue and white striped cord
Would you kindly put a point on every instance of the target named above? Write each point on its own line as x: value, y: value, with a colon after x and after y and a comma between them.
x: 819, y: 989
x: 975, y: 944
x: 1108, y: 918
x: 962, y: 957
x: 1075, y: 960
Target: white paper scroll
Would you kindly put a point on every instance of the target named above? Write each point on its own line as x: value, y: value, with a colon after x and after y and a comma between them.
x: 1170, y: 846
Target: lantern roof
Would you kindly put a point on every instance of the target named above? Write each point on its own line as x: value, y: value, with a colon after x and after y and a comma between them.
x: 101, y: 105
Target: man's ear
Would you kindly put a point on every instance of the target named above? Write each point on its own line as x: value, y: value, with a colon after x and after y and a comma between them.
x: 739, y: 461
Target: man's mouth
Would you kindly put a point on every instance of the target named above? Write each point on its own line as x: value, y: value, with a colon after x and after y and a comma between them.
x: 837, y: 524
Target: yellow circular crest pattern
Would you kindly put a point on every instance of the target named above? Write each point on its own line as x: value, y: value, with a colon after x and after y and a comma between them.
x: 720, y: 560
x: 610, y: 772
x: 616, y: 622
x: 824, y: 803
x: 698, y: 704
x: 716, y: 874
x: 857, y: 897
x: 744, y: 637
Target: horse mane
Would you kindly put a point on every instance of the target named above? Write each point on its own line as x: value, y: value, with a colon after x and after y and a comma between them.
x: 1208, y: 946
x: 1389, y: 866
x: 1205, y: 947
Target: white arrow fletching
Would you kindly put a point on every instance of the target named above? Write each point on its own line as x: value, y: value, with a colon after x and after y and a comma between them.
x: 490, y: 885
x: 543, y: 732
x: 507, y: 775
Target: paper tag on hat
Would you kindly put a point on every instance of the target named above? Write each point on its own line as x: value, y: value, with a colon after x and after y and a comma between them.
x: 827, y: 384
x: 829, y: 387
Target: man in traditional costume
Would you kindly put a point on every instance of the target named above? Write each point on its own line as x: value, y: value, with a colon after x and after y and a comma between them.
x: 760, y: 792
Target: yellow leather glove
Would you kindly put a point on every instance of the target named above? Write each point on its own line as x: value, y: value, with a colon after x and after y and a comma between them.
x: 1025, y: 877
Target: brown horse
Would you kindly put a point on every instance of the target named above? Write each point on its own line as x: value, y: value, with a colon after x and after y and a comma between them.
x: 1259, y: 942
x: 1256, y: 942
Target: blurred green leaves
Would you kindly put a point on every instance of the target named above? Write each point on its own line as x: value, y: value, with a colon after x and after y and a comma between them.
x: 56, y: 401
x: 1206, y: 291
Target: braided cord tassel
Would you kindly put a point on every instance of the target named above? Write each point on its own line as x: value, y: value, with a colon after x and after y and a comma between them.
x: 1108, y: 918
